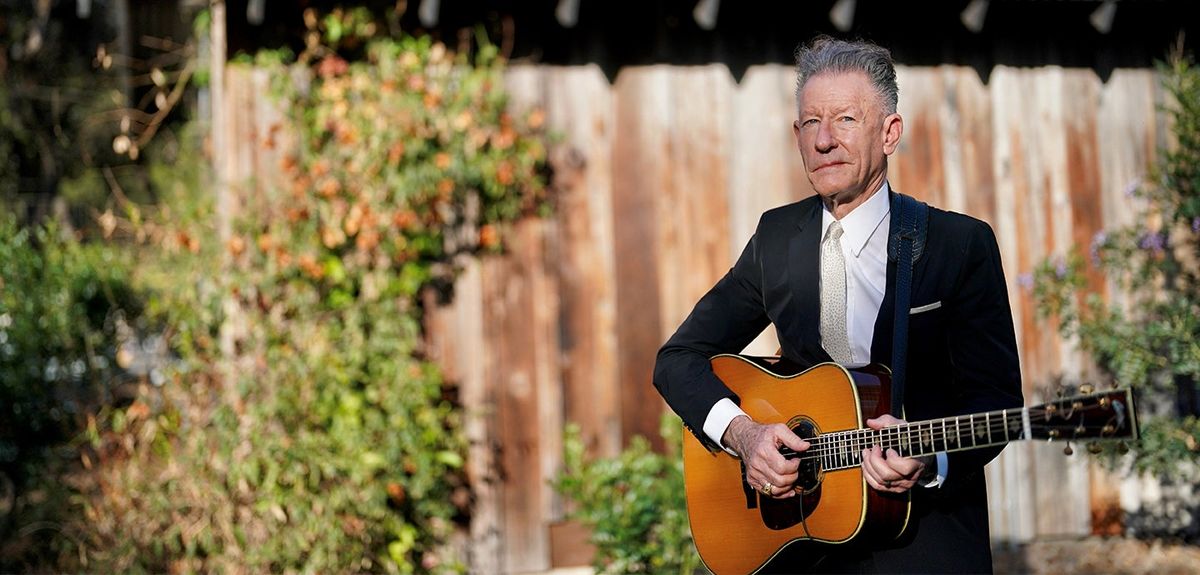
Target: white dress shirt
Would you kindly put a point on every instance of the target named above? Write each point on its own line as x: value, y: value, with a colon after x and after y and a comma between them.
x: 864, y: 247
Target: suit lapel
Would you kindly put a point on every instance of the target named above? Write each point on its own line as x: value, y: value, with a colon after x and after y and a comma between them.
x: 804, y: 267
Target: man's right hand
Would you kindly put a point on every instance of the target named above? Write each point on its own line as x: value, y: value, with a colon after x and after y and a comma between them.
x: 758, y: 446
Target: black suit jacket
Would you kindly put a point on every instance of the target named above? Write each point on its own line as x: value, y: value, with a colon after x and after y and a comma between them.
x: 962, y: 357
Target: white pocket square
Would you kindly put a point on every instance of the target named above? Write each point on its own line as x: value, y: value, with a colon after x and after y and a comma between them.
x: 925, y: 308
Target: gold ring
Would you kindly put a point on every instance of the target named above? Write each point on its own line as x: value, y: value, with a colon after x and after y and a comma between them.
x: 767, y: 488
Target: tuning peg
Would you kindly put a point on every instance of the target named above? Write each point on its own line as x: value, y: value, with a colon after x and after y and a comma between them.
x: 1086, y: 388
x: 1094, y: 448
x: 1067, y: 450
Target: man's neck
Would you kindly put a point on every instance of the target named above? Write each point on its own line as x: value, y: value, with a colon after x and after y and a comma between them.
x: 840, y: 210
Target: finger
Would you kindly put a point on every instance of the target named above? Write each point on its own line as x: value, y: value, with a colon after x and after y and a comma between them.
x: 883, y: 421
x: 789, y: 438
x: 879, y: 467
x: 906, y: 467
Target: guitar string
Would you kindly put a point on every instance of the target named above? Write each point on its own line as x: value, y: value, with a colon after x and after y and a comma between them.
x: 846, y: 445
x: 928, y: 433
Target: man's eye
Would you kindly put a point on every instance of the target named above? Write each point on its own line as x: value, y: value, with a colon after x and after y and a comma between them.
x: 846, y: 119
x: 809, y: 122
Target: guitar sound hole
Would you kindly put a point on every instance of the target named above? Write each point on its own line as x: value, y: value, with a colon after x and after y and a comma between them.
x: 786, y: 513
x: 810, y: 469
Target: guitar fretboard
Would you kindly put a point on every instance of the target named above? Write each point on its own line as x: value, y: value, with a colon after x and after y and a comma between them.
x: 843, y: 449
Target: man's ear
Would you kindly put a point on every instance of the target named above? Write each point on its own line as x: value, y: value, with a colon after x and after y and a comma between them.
x: 893, y: 128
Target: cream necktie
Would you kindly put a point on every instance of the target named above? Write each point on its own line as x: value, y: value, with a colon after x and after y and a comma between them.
x: 833, y: 296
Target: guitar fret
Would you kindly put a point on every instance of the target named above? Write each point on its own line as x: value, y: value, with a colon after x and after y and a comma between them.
x: 971, y: 424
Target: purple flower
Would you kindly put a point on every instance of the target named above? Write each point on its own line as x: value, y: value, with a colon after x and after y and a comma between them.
x: 1098, y: 242
x: 1153, y: 242
x: 1196, y: 225
x: 1132, y: 187
x: 1060, y: 268
x: 1025, y: 280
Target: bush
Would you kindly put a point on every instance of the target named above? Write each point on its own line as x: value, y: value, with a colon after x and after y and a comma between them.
x: 326, y: 442
x: 1147, y: 336
x: 634, y: 504
x: 65, y: 312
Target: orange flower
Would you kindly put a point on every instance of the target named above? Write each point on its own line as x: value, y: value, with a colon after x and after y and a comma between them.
x: 432, y: 99
x: 489, y: 236
x: 353, y: 220
x: 442, y: 160
x: 295, y: 215
x: 265, y: 242
x: 288, y: 164
x: 332, y: 66
x: 367, y: 240
x: 236, y: 245
x: 309, y: 266
x: 463, y: 120
x: 536, y: 118
x: 504, y: 173
x: 395, y: 153
x: 395, y: 491
x: 329, y: 188
x: 504, y: 139
x: 320, y: 168
x: 332, y: 237
x: 404, y: 219
x: 445, y: 187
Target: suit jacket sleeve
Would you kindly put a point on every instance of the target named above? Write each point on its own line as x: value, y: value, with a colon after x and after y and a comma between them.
x: 982, y: 345
x: 725, y: 320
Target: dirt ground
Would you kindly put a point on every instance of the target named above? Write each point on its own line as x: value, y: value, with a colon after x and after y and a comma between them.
x: 1097, y: 555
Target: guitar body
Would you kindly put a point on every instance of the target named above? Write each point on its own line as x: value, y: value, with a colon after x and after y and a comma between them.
x: 738, y: 530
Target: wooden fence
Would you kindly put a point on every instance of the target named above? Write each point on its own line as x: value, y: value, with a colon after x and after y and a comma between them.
x: 663, y: 175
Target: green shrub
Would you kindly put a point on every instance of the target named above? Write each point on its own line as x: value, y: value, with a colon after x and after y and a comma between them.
x: 65, y: 310
x: 326, y: 442
x: 1146, y: 336
x: 633, y: 503
x: 61, y: 306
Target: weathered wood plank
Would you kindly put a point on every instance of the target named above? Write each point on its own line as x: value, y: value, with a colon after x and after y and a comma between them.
x: 641, y: 171
x: 579, y: 106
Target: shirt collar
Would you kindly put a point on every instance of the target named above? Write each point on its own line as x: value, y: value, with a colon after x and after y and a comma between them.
x: 861, y: 223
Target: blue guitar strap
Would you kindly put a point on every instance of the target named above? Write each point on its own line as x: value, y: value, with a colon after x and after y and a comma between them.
x: 905, y: 246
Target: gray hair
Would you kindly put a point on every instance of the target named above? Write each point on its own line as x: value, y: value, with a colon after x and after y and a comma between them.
x: 826, y: 54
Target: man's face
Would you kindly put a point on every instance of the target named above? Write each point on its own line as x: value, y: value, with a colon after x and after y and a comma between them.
x: 844, y: 136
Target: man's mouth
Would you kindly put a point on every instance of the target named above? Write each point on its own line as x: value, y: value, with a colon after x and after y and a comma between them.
x: 828, y: 165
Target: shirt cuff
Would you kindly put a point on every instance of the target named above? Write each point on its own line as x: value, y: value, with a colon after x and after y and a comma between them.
x: 723, y: 412
x: 943, y: 465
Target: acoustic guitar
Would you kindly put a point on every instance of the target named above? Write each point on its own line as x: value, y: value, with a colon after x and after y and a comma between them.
x: 738, y: 530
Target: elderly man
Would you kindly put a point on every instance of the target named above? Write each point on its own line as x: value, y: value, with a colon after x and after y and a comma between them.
x: 819, y: 271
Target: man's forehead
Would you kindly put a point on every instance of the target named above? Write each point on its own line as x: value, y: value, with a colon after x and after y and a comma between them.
x: 838, y: 88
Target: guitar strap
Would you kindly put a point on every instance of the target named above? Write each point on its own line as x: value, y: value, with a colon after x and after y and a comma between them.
x: 905, y: 246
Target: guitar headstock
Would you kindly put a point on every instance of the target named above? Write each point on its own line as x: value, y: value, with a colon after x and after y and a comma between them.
x: 1094, y: 416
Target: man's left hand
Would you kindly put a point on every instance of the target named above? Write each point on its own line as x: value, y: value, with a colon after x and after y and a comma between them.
x: 887, y: 471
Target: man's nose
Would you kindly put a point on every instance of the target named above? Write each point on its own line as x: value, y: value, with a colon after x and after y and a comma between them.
x: 825, y: 140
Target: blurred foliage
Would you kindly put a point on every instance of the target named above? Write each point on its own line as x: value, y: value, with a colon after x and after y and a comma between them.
x: 1146, y: 333
x: 75, y: 114
x: 634, y: 503
x: 294, y: 424
x: 63, y: 310
x: 65, y: 320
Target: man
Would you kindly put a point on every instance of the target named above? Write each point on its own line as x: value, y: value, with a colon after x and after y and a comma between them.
x: 819, y: 271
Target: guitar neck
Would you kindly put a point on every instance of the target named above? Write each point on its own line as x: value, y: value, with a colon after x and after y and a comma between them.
x: 843, y: 449
x: 1106, y: 415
